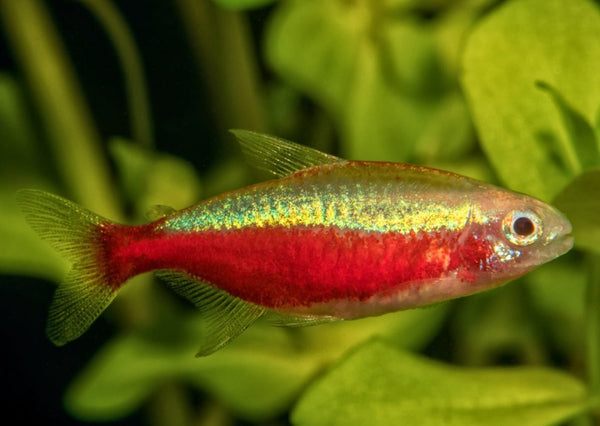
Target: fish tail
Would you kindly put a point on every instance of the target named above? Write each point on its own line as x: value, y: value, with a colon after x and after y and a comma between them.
x: 79, y: 235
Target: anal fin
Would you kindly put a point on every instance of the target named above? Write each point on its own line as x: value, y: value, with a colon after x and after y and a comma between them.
x: 226, y: 316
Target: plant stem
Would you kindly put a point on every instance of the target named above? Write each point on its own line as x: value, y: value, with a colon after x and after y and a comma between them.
x: 65, y: 114
x: 131, y: 64
x: 221, y: 43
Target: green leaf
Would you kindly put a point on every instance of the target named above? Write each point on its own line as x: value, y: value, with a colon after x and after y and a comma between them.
x: 151, y: 178
x: 521, y: 130
x: 258, y: 376
x: 384, y: 77
x: 243, y: 4
x: 380, y: 385
x: 558, y: 291
x: 450, y: 136
x: 580, y: 201
x: 581, y: 134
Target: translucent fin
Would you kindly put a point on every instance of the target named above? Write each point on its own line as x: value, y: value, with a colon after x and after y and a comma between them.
x: 158, y: 212
x: 286, y: 320
x: 226, y: 316
x: 73, y: 231
x: 278, y: 156
x: 78, y: 301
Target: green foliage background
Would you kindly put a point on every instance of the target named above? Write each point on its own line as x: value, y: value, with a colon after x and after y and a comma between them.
x: 123, y: 106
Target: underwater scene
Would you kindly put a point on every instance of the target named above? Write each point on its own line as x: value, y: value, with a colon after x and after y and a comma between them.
x: 300, y: 212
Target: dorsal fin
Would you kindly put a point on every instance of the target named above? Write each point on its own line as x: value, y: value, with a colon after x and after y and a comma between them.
x: 278, y: 156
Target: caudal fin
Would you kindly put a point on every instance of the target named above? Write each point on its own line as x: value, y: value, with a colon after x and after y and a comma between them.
x: 77, y: 234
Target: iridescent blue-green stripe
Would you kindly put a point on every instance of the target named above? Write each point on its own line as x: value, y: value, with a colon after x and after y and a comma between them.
x: 368, y: 201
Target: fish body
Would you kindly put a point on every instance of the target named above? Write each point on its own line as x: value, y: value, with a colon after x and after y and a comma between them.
x: 329, y: 240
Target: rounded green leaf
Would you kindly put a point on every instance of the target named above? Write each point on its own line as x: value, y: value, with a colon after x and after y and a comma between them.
x: 373, y: 66
x: 257, y: 377
x: 380, y: 385
x: 518, y: 46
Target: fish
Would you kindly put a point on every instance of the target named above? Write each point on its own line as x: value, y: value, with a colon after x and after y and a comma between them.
x: 327, y: 239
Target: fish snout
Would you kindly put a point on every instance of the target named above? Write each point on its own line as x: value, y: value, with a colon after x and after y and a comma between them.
x: 560, y: 236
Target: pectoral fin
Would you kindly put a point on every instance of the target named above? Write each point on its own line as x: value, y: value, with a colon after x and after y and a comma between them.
x: 226, y: 316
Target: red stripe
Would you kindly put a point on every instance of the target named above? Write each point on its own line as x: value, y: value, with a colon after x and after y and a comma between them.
x: 277, y: 267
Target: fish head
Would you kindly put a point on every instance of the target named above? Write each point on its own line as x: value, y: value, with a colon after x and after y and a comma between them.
x: 523, y: 232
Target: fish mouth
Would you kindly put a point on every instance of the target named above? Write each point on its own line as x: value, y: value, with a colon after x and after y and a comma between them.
x: 562, y: 239
x: 565, y: 243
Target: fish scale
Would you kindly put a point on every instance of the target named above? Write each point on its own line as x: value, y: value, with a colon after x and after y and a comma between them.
x: 309, y: 198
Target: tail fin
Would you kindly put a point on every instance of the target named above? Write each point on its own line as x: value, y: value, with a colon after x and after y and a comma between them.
x: 77, y: 234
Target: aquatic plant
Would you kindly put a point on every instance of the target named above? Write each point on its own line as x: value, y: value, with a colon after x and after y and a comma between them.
x: 507, y: 92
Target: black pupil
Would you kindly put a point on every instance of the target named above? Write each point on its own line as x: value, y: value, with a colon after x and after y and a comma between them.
x: 523, y: 226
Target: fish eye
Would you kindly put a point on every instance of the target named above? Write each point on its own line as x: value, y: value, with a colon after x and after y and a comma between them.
x: 522, y: 228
